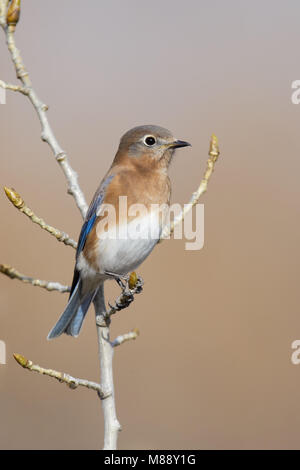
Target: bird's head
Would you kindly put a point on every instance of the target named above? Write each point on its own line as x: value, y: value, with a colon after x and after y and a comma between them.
x: 150, y: 144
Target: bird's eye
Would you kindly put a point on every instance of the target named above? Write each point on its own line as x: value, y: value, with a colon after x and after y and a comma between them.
x: 149, y: 140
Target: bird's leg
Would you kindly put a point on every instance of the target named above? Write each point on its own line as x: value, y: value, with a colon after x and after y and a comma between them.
x: 118, y: 279
x: 120, y: 283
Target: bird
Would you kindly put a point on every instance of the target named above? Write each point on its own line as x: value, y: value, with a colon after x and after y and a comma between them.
x: 139, y: 173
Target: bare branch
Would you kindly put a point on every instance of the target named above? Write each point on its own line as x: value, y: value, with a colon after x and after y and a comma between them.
x: 213, y: 157
x: 106, y: 353
x: 133, y: 334
x: 72, y: 382
x: 19, y: 203
x: 48, y: 285
x: 40, y: 108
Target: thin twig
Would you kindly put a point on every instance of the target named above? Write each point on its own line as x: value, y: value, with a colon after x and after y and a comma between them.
x: 213, y: 157
x: 133, y: 334
x: 19, y: 203
x: 48, y: 285
x: 72, y: 382
x: 9, y: 86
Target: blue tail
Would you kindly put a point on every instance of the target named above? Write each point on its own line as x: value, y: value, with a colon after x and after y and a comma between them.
x: 72, y: 318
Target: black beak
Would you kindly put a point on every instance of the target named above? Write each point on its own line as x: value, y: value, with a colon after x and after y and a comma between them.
x: 179, y: 143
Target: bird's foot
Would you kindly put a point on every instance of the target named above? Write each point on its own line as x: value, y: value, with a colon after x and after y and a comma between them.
x: 139, y: 284
x: 122, y: 302
x: 133, y: 285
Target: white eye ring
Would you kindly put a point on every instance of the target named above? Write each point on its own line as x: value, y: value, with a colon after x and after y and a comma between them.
x: 149, y: 140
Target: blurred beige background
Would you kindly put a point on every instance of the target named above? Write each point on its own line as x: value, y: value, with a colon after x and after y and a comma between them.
x: 212, y: 367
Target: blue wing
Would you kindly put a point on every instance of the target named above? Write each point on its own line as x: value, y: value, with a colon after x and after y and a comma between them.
x: 92, y: 214
x: 89, y: 223
x: 86, y: 228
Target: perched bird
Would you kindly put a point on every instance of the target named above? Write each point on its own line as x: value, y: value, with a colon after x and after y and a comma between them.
x: 139, y: 172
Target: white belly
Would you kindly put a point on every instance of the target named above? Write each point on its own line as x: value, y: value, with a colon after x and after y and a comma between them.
x: 122, y: 251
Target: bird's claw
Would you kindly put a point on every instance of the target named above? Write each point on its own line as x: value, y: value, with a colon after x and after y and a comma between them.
x: 122, y: 302
x: 127, y: 296
x: 139, y: 285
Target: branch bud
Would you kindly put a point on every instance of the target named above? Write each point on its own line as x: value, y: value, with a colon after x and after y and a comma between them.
x: 214, y: 147
x: 132, y: 280
x: 136, y: 331
x: 14, y: 197
x: 13, y: 13
x: 21, y: 360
